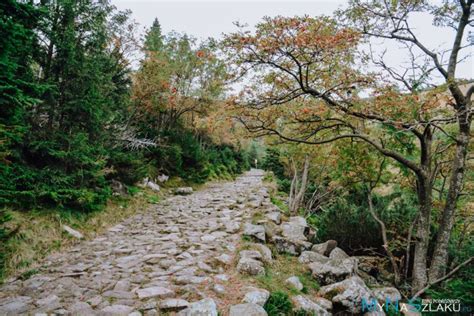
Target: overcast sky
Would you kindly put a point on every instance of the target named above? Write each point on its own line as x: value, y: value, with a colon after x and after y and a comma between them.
x: 204, y: 19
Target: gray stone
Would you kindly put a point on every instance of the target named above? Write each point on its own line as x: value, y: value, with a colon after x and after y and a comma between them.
x: 302, y: 303
x: 256, y: 231
x: 324, y: 303
x: 15, y: 305
x: 347, y: 294
x: 247, y: 309
x: 252, y: 254
x: 48, y: 303
x: 152, y: 185
x: 325, y: 248
x: 173, y: 304
x: 250, y: 267
x: 205, y: 307
x: 256, y: 296
x: 333, y: 270
x: 338, y: 253
x: 183, y: 191
x: 311, y: 256
x: 74, y: 233
x: 293, y: 247
x: 224, y: 259
x: 294, y: 282
x: 155, y: 291
x: 81, y: 308
x: 264, y: 251
x: 274, y: 217
x: 219, y: 289
x: 116, y: 310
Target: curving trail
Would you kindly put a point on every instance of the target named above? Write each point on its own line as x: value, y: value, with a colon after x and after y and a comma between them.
x: 177, y: 250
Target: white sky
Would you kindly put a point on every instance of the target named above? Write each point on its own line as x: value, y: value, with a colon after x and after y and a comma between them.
x: 204, y: 19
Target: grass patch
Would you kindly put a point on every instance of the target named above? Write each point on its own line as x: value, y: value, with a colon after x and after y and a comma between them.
x: 283, y: 267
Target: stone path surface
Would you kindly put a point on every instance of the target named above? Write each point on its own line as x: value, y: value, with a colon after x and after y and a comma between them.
x: 149, y: 263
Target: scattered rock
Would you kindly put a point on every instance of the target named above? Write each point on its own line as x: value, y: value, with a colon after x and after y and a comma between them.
x: 294, y: 229
x: 224, y: 259
x: 264, y: 251
x: 325, y: 248
x: 324, y: 303
x: 293, y: 247
x: 82, y: 308
x: 256, y: 231
x: 338, y: 253
x: 333, y: 270
x: 173, y: 304
x: 247, y: 309
x: 183, y: 191
x: 162, y: 178
x: 252, y: 254
x: 271, y: 229
x: 72, y: 232
x: 256, y: 296
x: 155, y: 291
x: 302, y: 303
x: 275, y: 217
x: 114, y: 310
x: 118, y: 188
x: 347, y: 294
x: 294, y: 282
x: 15, y: 305
x: 48, y: 303
x: 219, y: 289
x: 250, y: 267
x: 205, y: 307
x: 152, y: 185
x: 312, y: 256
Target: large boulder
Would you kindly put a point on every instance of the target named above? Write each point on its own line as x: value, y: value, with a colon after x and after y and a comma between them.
x: 247, y: 309
x: 347, y: 295
x: 274, y: 217
x: 264, y: 251
x: 325, y: 248
x: 295, y: 229
x: 250, y: 266
x: 334, y: 270
x: 205, y: 307
x: 256, y: 231
x: 302, y: 303
x: 290, y: 246
x: 338, y: 253
x: 256, y: 296
x: 311, y: 256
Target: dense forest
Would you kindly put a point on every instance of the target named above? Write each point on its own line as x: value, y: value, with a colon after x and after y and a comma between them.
x: 374, y: 156
x: 75, y: 117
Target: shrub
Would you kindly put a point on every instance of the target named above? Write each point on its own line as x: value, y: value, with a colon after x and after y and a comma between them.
x: 278, y: 304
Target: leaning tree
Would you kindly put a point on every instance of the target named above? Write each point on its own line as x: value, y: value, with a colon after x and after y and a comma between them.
x: 318, y: 80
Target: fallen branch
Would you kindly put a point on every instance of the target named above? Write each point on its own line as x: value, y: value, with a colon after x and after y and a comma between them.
x: 447, y: 276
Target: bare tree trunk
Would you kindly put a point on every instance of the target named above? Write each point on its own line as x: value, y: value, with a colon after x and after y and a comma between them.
x: 383, y: 230
x: 440, y: 256
x: 420, y: 277
x: 298, y: 187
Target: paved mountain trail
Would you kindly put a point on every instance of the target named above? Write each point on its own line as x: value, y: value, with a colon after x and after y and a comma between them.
x: 181, y: 249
